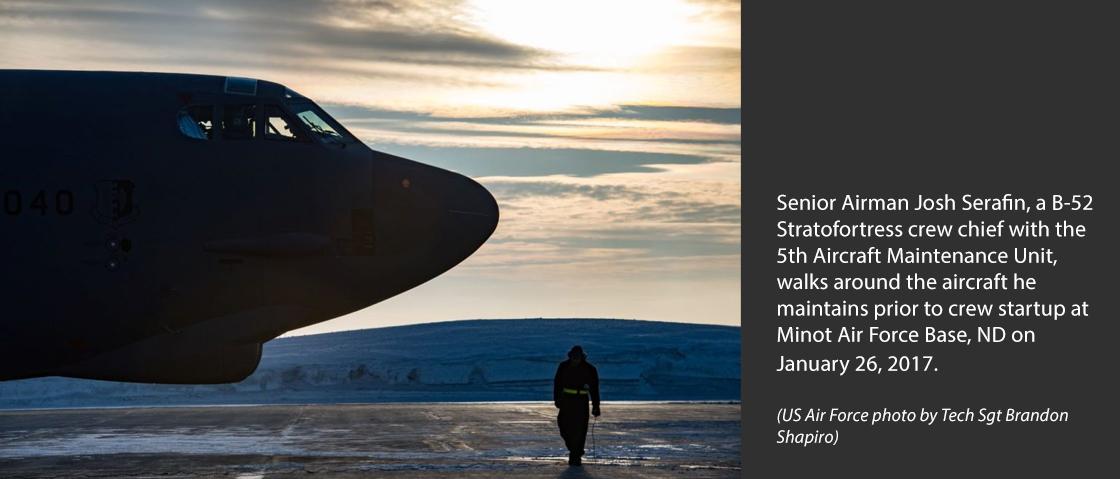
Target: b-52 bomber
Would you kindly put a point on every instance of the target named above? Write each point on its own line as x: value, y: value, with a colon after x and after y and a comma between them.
x: 161, y: 227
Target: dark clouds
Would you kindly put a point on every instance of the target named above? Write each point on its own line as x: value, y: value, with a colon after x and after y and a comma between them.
x: 283, y: 31
x: 652, y: 242
x: 657, y: 206
x: 473, y: 130
x: 541, y: 161
x: 538, y: 161
x: 510, y: 190
x: 727, y: 116
x: 682, y: 211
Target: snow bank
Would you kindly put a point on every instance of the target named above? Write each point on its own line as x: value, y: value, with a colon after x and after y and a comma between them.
x: 476, y: 360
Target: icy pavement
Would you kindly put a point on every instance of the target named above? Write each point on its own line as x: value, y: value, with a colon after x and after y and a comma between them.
x: 415, y: 440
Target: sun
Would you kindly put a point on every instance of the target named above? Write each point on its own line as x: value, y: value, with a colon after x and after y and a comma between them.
x: 593, y: 32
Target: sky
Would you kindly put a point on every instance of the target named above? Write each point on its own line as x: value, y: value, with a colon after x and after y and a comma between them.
x: 609, y: 131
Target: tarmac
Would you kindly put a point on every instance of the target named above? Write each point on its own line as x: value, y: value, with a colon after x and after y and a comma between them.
x: 407, y: 440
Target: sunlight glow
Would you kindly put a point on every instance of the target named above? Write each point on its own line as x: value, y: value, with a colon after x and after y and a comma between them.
x: 597, y: 32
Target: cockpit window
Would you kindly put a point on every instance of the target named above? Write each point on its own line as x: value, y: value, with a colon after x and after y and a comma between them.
x: 278, y: 126
x: 244, y: 86
x: 321, y: 124
x: 197, y: 122
x: 239, y: 122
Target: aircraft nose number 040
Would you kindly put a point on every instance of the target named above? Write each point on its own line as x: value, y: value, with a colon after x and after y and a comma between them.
x: 42, y: 202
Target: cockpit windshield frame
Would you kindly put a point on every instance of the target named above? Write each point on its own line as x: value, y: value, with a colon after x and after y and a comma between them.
x: 322, y: 126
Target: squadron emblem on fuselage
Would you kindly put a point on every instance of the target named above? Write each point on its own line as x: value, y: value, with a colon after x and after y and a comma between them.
x: 114, y: 206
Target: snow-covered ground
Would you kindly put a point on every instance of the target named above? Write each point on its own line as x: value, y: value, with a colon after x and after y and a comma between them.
x: 476, y: 360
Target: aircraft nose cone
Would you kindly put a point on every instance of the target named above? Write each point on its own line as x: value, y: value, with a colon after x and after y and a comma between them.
x: 470, y: 198
x: 430, y: 217
x: 471, y: 214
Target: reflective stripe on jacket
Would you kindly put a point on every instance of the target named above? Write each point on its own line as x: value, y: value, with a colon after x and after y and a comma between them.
x: 578, y: 380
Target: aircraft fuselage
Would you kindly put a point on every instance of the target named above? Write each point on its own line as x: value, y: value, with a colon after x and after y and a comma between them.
x: 161, y: 227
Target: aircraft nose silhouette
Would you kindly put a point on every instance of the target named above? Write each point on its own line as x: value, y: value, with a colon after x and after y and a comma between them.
x: 428, y: 217
x: 470, y: 215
